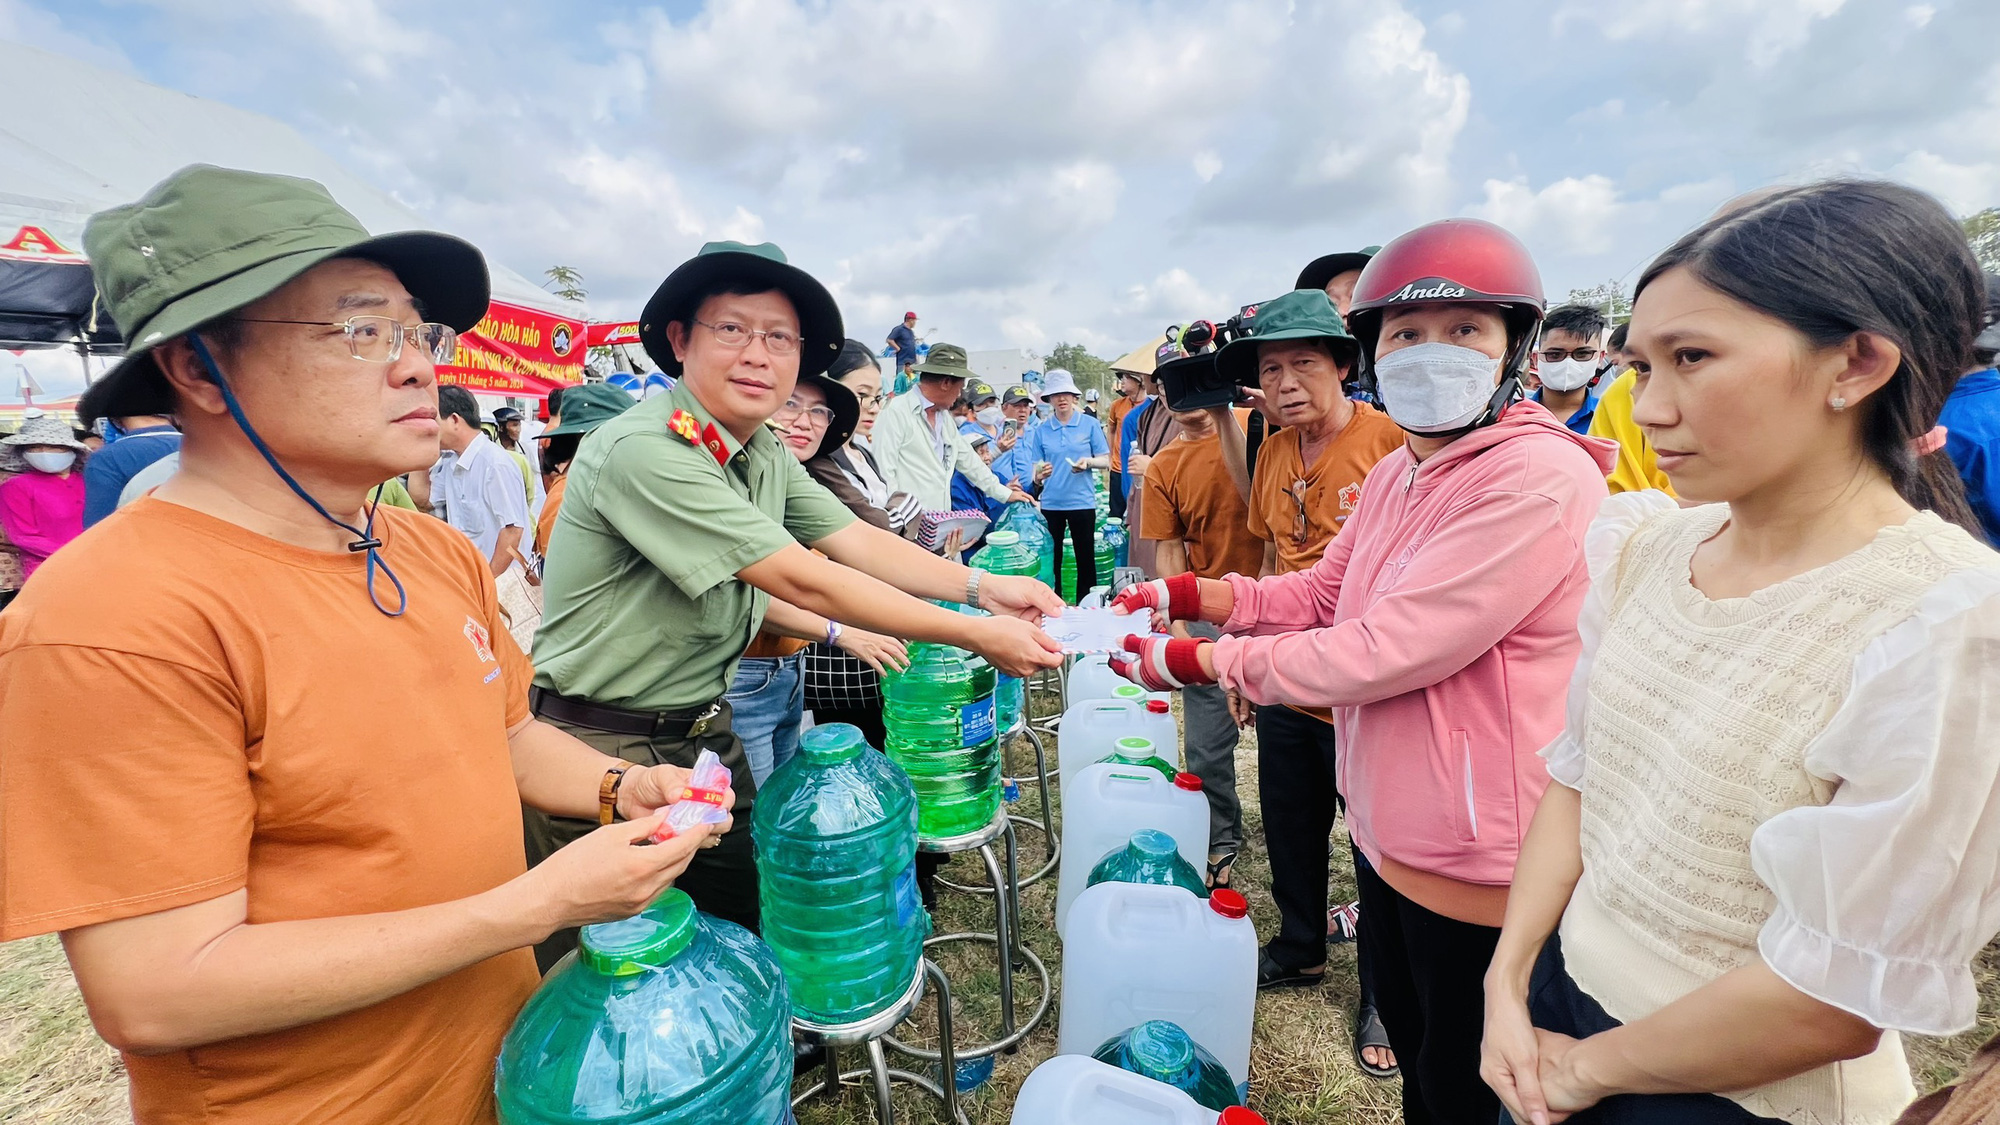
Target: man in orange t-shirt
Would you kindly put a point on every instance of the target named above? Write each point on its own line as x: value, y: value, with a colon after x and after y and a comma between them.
x: 290, y: 878
x: 1131, y: 392
x: 1194, y: 512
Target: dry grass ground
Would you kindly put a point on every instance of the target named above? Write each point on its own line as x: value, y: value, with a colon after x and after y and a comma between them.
x: 53, y: 1069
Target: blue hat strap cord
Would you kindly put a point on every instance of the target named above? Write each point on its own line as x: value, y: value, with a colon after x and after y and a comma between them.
x: 364, y: 537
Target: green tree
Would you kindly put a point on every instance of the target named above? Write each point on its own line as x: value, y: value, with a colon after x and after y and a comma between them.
x: 1983, y: 232
x: 1091, y: 372
x: 566, y: 282
x: 1609, y: 296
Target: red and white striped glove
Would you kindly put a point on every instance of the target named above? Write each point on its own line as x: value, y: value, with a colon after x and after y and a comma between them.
x: 1177, y: 598
x: 1162, y: 663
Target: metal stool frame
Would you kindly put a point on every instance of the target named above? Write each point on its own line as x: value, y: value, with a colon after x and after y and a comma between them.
x: 870, y: 1034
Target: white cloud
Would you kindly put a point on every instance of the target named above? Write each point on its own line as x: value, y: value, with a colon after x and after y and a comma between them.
x: 1765, y: 29
x: 1920, y: 15
x: 1570, y: 216
x: 1964, y: 188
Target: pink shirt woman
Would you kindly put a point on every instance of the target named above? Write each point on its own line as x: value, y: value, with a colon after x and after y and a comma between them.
x: 42, y: 508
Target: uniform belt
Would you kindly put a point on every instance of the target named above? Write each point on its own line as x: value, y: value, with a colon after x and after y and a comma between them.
x: 693, y: 722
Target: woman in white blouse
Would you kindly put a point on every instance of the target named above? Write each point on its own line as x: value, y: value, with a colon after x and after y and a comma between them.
x: 1776, y: 840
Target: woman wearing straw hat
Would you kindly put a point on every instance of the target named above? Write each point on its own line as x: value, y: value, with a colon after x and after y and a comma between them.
x: 42, y: 508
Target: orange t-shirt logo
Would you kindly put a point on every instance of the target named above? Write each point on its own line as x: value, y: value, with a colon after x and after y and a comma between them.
x: 482, y: 641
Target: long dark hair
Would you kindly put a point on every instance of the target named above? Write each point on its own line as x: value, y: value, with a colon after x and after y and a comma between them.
x: 853, y: 356
x: 1845, y: 256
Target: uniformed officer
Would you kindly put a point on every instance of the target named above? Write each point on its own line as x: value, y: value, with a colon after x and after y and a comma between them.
x: 685, y: 515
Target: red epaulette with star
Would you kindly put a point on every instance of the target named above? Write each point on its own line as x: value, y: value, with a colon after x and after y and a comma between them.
x: 706, y: 436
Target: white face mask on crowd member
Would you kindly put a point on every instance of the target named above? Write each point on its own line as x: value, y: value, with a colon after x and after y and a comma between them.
x: 1566, y: 374
x: 1435, y: 387
x: 990, y: 416
x: 50, y: 460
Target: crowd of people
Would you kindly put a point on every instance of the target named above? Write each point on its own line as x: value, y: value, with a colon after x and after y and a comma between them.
x: 1650, y: 668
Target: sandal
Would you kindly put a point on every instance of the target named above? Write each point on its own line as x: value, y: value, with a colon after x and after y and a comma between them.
x: 1369, y: 1032
x: 1343, y: 924
x: 1219, y: 869
x: 1270, y: 974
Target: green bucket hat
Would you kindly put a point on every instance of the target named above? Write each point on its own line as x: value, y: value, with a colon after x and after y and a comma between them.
x: 716, y: 264
x: 589, y: 406
x: 1302, y: 314
x: 207, y: 241
x: 947, y: 360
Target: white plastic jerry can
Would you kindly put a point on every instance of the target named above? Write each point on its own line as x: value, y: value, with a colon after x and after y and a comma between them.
x: 1079, y: 1090
x: 1091, y: 730
x: 1091, y: 677
x: 1106, y: 803
x: 1134, y: 952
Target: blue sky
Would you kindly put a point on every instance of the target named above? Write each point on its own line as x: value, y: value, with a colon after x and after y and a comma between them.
x: 1021, y: 172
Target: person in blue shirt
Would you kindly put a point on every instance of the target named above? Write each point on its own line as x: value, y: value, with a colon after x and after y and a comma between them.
x: 1971, y: 421
x: 138, y: 441
x: 1566, y: 364
x: 1064, y: 449
x: 1011, y: 463
x: 903, y: 338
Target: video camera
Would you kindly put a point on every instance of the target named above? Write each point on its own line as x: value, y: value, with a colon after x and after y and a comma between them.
x: 1186, y: 362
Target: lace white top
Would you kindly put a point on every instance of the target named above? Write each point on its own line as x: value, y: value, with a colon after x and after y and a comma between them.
x: 1807, y: 774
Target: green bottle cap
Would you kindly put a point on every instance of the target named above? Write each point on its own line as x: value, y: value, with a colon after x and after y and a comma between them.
x: 1135, y: 747
x: 646, y: 940
x: 1154, y: 843
x: 1128, y: 691
x: 834, y: 742
x: 1003, y: 538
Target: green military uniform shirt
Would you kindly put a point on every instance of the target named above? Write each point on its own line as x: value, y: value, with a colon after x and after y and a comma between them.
x: 642, y: 607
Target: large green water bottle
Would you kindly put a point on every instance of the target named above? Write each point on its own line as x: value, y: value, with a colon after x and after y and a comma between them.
x: 1161, y: 1051
x: 1150, y: 856
x: 836, y: 836
x: 1005, y: 553
x: 664, y: 1017
x: 1023, y: 519
x: 943, y: 732
x: 1135, y: 751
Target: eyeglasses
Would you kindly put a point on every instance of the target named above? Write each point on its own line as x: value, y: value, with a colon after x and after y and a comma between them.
x: 379, y: 339
x: 873, y: 400
x: 778, y: 341
x: 1557, y: 355
x: 1300, y: 530
x: 818, y: 416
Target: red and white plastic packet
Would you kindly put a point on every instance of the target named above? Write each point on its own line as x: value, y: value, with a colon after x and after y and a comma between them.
x: 702, y: 801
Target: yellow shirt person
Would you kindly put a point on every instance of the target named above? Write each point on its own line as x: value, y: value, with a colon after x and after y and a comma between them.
x: 1638, y: 466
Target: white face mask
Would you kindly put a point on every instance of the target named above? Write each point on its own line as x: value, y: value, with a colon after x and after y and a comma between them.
x: 1566, y: 374
x: 1432, y: 388
x: 50, y: 462
x: 990, y: 416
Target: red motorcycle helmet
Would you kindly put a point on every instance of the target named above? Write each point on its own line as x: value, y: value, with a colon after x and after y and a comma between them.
x: 1455, y: 261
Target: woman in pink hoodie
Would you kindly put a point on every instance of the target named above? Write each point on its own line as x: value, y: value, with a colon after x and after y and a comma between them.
x: 1440, y: 627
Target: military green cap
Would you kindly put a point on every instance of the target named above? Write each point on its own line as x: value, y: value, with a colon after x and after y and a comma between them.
x: 1323, y: 269
x: 760, y: 268
x: 207, y: 241
x: 979, y: 391
x: 947, y: 360
x: 1302, y: 314
x: 589, y: 406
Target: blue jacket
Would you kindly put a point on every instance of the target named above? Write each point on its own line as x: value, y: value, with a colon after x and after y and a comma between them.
x: 1579, y: 422
x: 108, y: 470
x: 1972, y: 417
x: 1128, y: 436
x: 1067, y: 490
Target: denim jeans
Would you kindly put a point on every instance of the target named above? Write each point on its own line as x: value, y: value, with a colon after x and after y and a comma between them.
x: 769, y: 700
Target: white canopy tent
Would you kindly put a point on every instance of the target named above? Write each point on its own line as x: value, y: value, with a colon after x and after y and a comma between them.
x: 76, y: 138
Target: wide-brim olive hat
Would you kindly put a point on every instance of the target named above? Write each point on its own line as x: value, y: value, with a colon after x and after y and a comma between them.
x: 1302, y: 314
x: 207, y: 241
x: 1325, y: 268
x: 846, y: 409
x: 946, y: 360
x: 589, y: 406
x: 760, y: 268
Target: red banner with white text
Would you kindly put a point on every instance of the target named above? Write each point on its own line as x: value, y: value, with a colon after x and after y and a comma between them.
x: 604, y: 335
x: 520, y: 351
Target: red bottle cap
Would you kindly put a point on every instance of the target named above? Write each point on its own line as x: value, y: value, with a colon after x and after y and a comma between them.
x: 1158, y: 706
x: 1228, y: 903
x: 1237, y: 1115
x: 1187, y: 781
